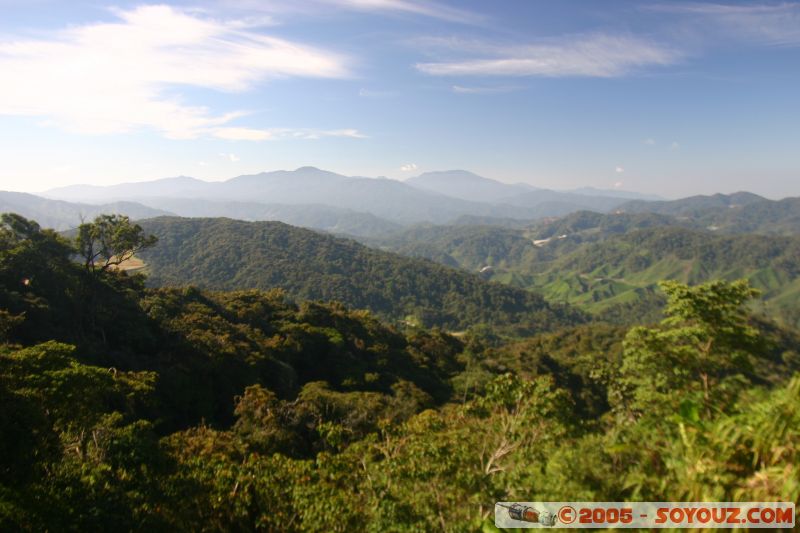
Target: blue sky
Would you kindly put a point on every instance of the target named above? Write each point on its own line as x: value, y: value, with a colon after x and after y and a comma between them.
x: 673, y: 98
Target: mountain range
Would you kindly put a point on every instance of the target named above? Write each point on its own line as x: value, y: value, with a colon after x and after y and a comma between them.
x: 433, y: 197
x: 527, y: 238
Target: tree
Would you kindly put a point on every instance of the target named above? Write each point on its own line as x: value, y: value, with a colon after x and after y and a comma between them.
x: 16, y: 228
x: 8, y: 322
x: 109, y: 241
x: 704, y: 339
x: 37, y: 275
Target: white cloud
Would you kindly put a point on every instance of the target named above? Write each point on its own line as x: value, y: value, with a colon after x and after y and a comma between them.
x: 594, y: 56
x: 120, y: 76
x: 649, y: 142
x: 674, y: 145
x: 409, y: 167
x: 233, y: 158
x: 618, y: 184
x: 619, y: 170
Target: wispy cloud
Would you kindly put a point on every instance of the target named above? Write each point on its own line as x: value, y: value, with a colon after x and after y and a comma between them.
x: 409, y: 167
x: 619, y: 170
x: 649, y: 142
x: 233, y: 158
x: 461, y: 89
x: 596, y: 55
x: 770, y: 24
x: 424, y: 8
x: 272, y: 134
x: 123, y: 75
x: 375, y: 94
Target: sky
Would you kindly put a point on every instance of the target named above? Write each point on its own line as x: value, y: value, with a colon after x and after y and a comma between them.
x: 670, y: 98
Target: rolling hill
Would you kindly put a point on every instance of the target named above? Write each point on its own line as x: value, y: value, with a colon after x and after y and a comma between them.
x: 478, y: 243
x: 625, y: 269
x: 611, y: 264
x: 227, y: 254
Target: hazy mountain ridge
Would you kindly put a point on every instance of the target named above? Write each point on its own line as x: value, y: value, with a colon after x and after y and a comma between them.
x: 63, y: 215
x: 316, y: 216
x: 616, y: 193
x: 440, y: 197
x: 467, y: 186
x: 692, y: 204
x: 741, y: 212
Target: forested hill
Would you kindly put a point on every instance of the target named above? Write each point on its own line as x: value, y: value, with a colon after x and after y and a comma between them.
x: 612, y: 263
x: 227, y: 254
x: 625, y: 269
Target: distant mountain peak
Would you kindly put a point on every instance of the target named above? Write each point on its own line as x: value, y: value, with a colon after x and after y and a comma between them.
x: 465, y: 185
x: 456, y: 174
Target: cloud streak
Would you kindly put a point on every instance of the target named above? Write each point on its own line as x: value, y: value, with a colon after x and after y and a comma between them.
x: 274, y: 134
x: 461, y: 89
x: 124, y: 75
x: 769, y: 24
x: 598, y: 55
x: 427, y: 9
x: 317, y: 8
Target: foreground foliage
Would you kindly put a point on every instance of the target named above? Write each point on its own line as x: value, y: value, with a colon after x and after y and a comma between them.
x: 178, y: 409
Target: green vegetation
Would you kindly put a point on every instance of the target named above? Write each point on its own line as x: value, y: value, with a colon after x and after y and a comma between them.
x: 226, y: 254
x: 610, y: 265
x: 181, y: 409
x: 622, y: 269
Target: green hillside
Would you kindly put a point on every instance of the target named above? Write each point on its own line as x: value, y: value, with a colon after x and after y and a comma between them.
x: 625, y: 269
x: 469, y: 247
x: 225, y: 254
x: 610, y: 264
